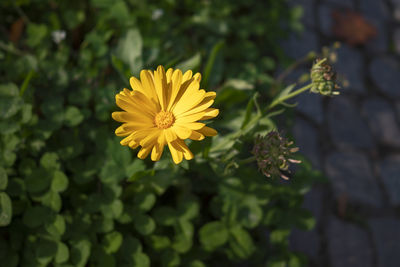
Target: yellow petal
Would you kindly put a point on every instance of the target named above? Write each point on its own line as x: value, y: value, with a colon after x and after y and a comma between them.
x: 186, y: 151
x: 126, y: 140
x: 144, y: 151
x: 196, y: 136
x: 133, y: 144
x: 170, y: 135
x: 158, y: 149
x: 189, y: 118
x: 123, y: 116
x: 141, y: 134
x: 207, y: 131
x: 182, y: 132
x: 197, y: 77
x: 188, y: 101
x: 136, y: 85
x: 192, y: 125
x: 151, y: 138
x: 160, y: 82
x: 176, y: 81
x: 169, y: 74
x: 177, y: 155
x: 187, y: 76
x: 210, y: 113
x: 146, y: 78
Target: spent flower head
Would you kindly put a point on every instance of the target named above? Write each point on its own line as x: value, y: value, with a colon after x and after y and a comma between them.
x: 273, y: 154
x: 323, y: 78
x: 164, y: 108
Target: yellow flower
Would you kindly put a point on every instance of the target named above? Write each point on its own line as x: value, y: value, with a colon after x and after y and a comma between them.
x: 164, y: 109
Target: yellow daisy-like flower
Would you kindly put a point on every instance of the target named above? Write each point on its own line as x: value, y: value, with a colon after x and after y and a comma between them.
x: 164, y: 109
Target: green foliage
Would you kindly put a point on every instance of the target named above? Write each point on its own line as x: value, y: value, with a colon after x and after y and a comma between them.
x: 71, y: 195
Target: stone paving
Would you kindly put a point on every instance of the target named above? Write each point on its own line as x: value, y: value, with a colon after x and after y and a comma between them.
x: 354, y: 139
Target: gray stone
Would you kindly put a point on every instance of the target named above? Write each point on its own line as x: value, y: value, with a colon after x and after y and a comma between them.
x: 313, y: 202
x: 385, y: 74
x: 350, y: 66
x: 386, y: 234
x: 299, y: 45
x: 377, y: 14
x: 341, y: 3
x: 310, y: 104
x: 307, y: 140
x: 308, y: 11
x: 305, y: 242
x: 346, y: 125
x: 348, y: 245
x: 389, y: 170
x: 382, y: 121
x: 396, y: 39
x: 325, y: 19
x: 351, y: 176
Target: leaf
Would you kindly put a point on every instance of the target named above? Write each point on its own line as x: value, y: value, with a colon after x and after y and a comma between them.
x: 35, y: 216
x: 141, y: 260
x: 80, y: 251
x: 183, y: 239
x: 62, y: 254
x: 210, y: 62
x: 170, y: 259
x: 129, y: 50
x: 165, y: 215
x: 159, y: 242
x: 36, y: 33
x: 112, y: 242
x: 10, y: 102
x: 59, y: 182
x: 144, y: 201
x: 241, y: 243
x: 38, y: 182
x: 5, y: 209
x: 144, y: 224
x: 190, y: 64
x: 3, y: 179
x: 73, y: 116
x: 56, y: 227
x: 46, y: 250
x: 213, y: 235
x: 50, y: 161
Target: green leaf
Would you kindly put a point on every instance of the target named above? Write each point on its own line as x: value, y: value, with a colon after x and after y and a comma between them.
x: 73, y: 116
x: 213, y: 235
x: 80, y: 251
x: 241, y: 243
x: 279, y: 236
x: 59, y: 182
x: 112, y: 242
x: 165, y: 215
x: 36, y: 33
x: 144, y: 201
x: 46, y: 250
x: 129, y: 50
x: 50, y: 161
x: 188, y: 210
x: 3, y: 179
x: 170, y: 258
x: 10, y: 102
x: 62, y: 254
x: 56, y: 227
x: 36, y: 216
x: 141, y: 260
x: 144, y: 224
x: 183, y: 239
x: 5, y: 209
x: 159, y: 243
x: 197, y: 263
x: 190, y: 64
x: 211, y: 61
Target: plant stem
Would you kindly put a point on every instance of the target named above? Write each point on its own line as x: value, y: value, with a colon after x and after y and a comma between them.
x: 248, y: 160
x: 292, y: 94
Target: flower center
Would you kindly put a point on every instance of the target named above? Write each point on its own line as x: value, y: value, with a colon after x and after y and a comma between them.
x: 164, y: 119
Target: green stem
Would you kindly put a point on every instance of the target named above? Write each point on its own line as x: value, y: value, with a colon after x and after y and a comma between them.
x: 292, y: 94
x: 248, y: 160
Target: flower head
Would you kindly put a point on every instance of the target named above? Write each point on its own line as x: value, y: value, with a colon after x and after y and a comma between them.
x: 323, y: 78
x: 164, y: 108
x: 272, y: 153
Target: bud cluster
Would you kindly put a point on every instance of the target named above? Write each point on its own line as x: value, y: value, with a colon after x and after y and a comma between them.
x: 272, y: 153
x: 323, y: 78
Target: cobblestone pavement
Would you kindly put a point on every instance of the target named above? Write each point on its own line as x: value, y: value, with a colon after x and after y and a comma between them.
x: 354, y: 139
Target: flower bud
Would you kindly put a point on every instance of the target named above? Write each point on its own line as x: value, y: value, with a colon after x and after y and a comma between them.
x: 323, y: 78
x: 272, y: 153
